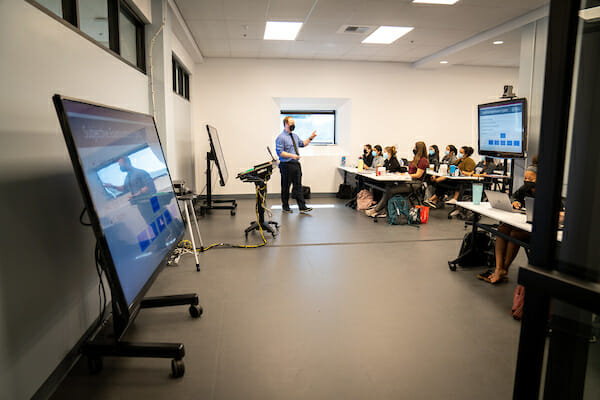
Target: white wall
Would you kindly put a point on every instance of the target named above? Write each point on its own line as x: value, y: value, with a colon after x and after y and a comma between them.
x: 181, y: 154
x: 387, y: 103
x: 48, y: 284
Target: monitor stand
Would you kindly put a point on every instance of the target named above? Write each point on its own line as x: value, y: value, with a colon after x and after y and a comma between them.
x: 107, y: 342
x: 209, y: 203
x: 261, y: 193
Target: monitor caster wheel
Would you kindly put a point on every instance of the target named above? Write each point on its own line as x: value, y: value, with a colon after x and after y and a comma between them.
x: 195, y: 311
x: 177, y: 368
x: 94, y: 365
x: 452, y: 266
x: 232, y: 212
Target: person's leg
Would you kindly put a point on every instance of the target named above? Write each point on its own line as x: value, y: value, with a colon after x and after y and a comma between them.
x: 389, y: 193
x: 382, y: 203
x: 500, y: 248
x: 512, y: 249
x: 285, y: 186
x: 297, y: 185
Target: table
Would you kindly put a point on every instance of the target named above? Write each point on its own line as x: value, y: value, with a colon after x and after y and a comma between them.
x: 370, y: 179
x: 515, y: 219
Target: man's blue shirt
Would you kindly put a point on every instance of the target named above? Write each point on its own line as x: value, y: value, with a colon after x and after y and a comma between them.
x: 284, y: 143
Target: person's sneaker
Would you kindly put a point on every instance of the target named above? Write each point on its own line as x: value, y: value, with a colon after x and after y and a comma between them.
x: 286, y: 210
x: 371, y: 212
x: 306, y: 210
x: 452, y: 201
x: 381, y: 214
x: 429, y: 203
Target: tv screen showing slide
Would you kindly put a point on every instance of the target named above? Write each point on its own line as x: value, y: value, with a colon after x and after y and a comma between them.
x: 215, y: 148
x: 122, y: 171
x: 307, y: 122
x: 503, y: 129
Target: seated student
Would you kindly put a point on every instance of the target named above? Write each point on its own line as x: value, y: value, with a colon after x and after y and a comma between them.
x: 450, y: 155
x: 466, y: 165
x: 367, y: 156
x: 416, y: 170
x: 506, y: 251
x: 378, y: 159
x: 390, y: 162
x: 487, y: 165
x: 434, y: 156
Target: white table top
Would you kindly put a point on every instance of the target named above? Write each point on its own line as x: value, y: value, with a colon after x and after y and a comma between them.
x: 370, y: 173
x: 516, y: 219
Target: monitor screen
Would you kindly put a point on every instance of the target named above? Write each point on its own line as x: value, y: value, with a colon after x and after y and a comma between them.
x: 125, y: 173
x: 502, y: 129
x: 215, y: 146
x: 309, y: 121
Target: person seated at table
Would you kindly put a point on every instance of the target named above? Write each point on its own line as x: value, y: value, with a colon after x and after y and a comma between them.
x: 450, y: 155
x: 506, y: 250
x: 378, y: 159
x: 443, y: 185
x: 416, y: 170
x: 390, y: 162
x: 487, y: 165
x: 434, y: 156
x: 367, y: 156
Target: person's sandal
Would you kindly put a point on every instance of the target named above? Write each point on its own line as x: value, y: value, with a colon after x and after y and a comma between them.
x: 502, y: 279
x: 485, y: 276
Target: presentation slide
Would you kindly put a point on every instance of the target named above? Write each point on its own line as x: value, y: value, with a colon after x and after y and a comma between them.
x: 501, y: 128
x: 306, y: 124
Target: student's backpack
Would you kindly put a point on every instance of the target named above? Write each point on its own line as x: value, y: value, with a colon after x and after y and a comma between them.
x: 481, y: 255
x: 398, y: 210
x: 344, y: 192
x: 364, y: 199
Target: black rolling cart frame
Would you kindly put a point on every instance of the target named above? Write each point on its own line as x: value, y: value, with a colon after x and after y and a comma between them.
x: 209, y: 202
x: 259, y: 175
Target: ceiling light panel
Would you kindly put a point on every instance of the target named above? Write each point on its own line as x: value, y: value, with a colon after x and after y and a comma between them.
x: 444, y: 2
x: 278, y: 30
x: 387, y: 34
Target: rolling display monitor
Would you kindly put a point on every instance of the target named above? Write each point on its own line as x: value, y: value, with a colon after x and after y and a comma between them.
x: 127, y: 190
x: 503, y: 129
x: 217, y: 151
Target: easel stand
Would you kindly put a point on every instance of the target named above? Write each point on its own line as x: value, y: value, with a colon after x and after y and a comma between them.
x: 108, y: 340
x: 261, y: 188
x: 187, y: 200
x: 209, y: 203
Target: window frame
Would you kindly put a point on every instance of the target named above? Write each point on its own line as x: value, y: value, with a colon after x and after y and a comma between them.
x: 181, y: 78
x: 70, y: 18
x: 322, y: 112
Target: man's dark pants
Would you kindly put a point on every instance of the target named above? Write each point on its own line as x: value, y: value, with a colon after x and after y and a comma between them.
x: 291, y: 174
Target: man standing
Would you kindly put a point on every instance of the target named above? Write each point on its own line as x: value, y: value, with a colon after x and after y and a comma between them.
x: 287, y: 144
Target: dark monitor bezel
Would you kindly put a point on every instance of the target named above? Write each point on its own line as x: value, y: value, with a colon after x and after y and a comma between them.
x: 500, y: 154
x: 215, y: 155
x: 123, y: 313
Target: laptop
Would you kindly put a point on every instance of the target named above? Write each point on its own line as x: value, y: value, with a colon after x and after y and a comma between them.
x: 500, y: 201
x: 529, y: 204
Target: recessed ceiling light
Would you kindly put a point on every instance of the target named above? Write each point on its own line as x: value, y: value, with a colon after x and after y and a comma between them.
x: 444, y: 62
x: 499, y: 42
x: 590, y: 14
x: 277, y: 30
x: 446, y: 2
x: 387, y: 34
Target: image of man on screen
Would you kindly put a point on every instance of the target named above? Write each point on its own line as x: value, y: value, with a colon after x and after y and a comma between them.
x: 137, y: 182
x: 287, y: 145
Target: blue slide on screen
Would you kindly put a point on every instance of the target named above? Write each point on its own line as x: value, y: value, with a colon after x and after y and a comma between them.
x: 501, y: 128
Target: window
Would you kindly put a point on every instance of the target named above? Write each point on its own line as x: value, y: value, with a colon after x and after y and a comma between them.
x: 109, y: 23
x: 181, y: 79
x: 308, y: 121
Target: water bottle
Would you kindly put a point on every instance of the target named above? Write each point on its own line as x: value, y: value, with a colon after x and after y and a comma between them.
x: 343, y: 161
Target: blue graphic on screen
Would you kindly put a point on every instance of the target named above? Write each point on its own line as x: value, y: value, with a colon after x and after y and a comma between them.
x: 131, y: 189
x: 501, y: 128
x: 324, y: 124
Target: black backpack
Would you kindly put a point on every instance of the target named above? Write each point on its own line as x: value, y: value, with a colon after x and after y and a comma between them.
x: 345, y: 192
x: 482, y: 255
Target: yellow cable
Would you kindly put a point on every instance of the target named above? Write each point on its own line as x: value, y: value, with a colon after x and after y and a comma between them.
x: 188, y: 245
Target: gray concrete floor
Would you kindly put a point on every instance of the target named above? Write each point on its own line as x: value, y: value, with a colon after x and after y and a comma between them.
x: 336, y: 307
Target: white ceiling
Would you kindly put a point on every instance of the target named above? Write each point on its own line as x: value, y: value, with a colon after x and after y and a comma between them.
x: 219, y: 27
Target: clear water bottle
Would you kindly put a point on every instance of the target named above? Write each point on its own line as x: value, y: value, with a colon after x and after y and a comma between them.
x: 343, y: 161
